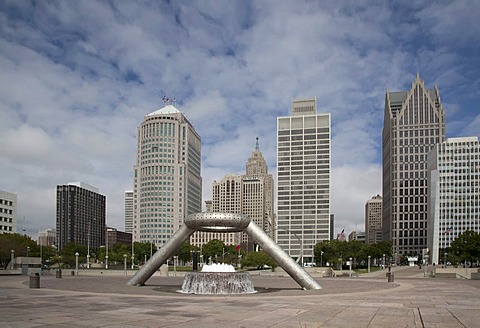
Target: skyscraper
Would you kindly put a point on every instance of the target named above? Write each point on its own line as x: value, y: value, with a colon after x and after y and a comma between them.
x: 453, y: 194
x: 414, y: 122
x: 128, y: 211
x: 303, y: 179
x: 8, y: 212
x: 167, y: 179
x: 81, y: 215
x: 373, y: 220
x: 250, y: 194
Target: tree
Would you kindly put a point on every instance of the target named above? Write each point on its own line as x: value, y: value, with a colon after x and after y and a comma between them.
x: 184, y: 253
x: 258, y: 260
x: 20, y: 244
x: 214, y: 249
x: 466, y: 247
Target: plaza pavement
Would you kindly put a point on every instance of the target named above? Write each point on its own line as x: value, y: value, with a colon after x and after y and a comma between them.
x: 412, y: 300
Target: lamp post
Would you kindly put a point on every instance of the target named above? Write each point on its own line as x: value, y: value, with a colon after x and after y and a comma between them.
x: 383, y: 261
x: 175, y: 265
x: 321, y: 259
x: 76, y: 263
x: 88, y: 261
x: 12, y: 258
x: 445, y: 259
x: 368, y: 263
x: 133, y: 257
x: 125, y: 264
x: 350, y: 263
x: 106, y: 250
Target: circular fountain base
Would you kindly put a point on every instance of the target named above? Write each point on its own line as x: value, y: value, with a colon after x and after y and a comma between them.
x: 217, y: 283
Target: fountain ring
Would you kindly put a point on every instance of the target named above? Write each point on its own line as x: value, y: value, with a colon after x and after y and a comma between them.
x: 217, y: 222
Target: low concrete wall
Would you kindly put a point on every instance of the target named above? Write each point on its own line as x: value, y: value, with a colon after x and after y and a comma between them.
x: 465, y: 273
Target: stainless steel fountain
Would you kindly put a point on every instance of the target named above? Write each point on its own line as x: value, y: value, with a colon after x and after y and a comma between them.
x: 224, y: 222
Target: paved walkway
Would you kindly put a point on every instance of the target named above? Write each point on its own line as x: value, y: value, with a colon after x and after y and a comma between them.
x: 366, y: 301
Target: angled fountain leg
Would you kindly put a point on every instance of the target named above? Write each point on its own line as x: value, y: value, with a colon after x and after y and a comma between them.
x: 161, y: 256
x: 283, y: 259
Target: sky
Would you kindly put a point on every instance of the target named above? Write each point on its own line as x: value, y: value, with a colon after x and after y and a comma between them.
x: 78, y: 77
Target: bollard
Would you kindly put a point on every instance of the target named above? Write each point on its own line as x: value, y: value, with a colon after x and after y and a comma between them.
x: 58, y: 273
x: 73, y: 273
x: 35, y: 281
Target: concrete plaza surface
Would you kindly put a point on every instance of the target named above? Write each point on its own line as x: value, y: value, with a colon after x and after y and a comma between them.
x: 365, y: 301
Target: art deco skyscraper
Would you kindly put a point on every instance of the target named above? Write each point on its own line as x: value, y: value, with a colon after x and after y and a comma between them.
x: 454, y: 193
x: 250, y: 194
x: 303, y: 179
x: 81, y: 215
x: 167, y: 175
x: 414, y: 122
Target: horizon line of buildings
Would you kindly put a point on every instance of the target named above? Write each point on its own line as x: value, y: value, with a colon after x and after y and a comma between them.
x: 430, y: 184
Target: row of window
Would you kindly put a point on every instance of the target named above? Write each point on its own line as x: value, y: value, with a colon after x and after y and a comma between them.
x: 6, y: 202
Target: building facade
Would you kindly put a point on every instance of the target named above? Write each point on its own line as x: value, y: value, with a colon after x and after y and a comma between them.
x: 8, y: 212
x: 250, y: 194
x: 47, y: 237
x: 303, y: 179
x: 115, y: 236
x: 454, y: 193
x: 167, y: 175
x: 373, y: 220
x: 81, y: 215
x: 128, y: 211
x: 414, y: 123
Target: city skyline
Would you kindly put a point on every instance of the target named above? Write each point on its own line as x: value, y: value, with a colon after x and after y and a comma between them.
x: 78, y: 78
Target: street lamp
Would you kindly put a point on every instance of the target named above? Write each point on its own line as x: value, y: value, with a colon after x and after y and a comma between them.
x: 383, y: 261
x: 106, y: 262
x: 445, y: 259
x: 88, y: 261
x: 175, y: 265
x: 350, y: 262
x: 321, y: 259
x: 125, y: 264
x: 369, y: 263
x: 12, y: 258
x: 133, y: 257
x: 76, y: 263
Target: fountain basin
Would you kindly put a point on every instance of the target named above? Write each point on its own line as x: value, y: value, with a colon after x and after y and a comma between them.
x: 217, y: 283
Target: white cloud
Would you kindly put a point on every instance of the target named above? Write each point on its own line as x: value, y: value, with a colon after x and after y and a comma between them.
x: 77, y: 79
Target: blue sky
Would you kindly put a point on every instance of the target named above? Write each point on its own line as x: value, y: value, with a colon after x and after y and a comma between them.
x: 77, y: 78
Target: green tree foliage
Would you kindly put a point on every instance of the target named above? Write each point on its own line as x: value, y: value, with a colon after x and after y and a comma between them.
x: 466, y: 247
x: 214, y: 249
x: 184, y: 253
x: 335, y: 251
x: 21, y: 244
x: 258, y: 260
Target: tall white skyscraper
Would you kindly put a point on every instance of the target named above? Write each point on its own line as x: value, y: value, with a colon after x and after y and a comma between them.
x: 303, y: 179
x: 414, y: 122
x: 128, y: 211
x: 167, y: 175
x: 454, y: 193
x: 8, y: 212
